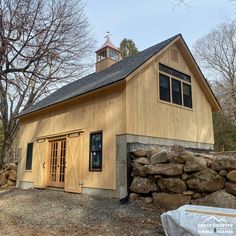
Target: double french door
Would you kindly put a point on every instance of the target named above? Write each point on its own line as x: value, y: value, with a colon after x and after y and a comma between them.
x: 57, y: 163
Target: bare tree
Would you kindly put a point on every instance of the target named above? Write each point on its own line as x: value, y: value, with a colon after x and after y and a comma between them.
x: 43, y: 43
x: 216, y: 54
x: 181, y: 2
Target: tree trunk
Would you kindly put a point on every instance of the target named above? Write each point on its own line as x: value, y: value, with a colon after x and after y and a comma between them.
x: 10, y: 130
x: 6, y: 151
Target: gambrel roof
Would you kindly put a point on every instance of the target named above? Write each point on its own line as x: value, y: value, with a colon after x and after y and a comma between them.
x: 117, y: 72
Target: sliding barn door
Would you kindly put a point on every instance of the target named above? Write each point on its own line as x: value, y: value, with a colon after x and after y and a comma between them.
x: 73, y: 179
x: 40, y: 153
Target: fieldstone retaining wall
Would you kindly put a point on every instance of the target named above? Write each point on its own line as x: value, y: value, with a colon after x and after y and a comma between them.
x: 8, y: 175
x: 176, y: 177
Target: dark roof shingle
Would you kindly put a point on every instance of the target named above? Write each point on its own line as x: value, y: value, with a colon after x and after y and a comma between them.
x: 114, y: 73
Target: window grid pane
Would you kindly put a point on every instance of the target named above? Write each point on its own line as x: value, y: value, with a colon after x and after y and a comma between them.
x: 176, y: 92
x: 96, y: 151
x: 164, y: 88
x: 29, y: 156
x: 187, y: 95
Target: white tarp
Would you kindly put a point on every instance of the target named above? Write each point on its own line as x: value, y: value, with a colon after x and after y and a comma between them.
x: 194, y: 220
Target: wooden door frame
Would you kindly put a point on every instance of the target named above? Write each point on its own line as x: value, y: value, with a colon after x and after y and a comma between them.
x: 49, y: 183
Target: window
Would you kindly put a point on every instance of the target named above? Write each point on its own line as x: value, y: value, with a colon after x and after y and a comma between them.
x: 164, y: 88
x: 187, y: 95
x: 174, y: 73
x: 176, y: 92
x: 102, y: 55
x: 174, y: 86
x: 29, y: 156
x: 95, y: 151
x: 113, y: 55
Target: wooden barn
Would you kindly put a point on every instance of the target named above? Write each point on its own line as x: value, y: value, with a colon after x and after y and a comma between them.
x: 77, y: 138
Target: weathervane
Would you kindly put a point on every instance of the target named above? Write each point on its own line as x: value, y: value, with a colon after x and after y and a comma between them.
x: 108, y: 35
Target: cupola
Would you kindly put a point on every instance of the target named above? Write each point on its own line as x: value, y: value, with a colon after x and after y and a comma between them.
x: 107, y: 55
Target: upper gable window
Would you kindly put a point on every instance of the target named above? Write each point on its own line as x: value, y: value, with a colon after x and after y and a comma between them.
x: 175, y: 86
x: 174, y: 73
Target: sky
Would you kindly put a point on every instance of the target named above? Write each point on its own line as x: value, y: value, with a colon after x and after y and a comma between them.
x: 147, y: 22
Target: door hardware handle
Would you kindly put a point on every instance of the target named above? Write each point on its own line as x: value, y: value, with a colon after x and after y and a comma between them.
x: 44, y: 165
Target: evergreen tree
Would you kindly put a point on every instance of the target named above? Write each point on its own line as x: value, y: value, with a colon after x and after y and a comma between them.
x: 128, y: 48
x: 224, y: 132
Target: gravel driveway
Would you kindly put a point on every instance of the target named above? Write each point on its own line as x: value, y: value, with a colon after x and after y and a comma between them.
x: 46, y: 212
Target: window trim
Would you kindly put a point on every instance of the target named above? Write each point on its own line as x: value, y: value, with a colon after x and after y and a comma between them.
x: 90, y: 149
x: 29, y: 170
x: 176, y: 78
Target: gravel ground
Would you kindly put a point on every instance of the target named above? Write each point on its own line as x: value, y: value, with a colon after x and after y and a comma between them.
x: 46, y: 212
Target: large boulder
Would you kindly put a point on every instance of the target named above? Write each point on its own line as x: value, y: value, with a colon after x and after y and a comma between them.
x: 163, y: 157
x: 168, y: 169
x: 3, y: 179
x: 138, y: 170
x: 134, y: 196
x: 188, y: 193
x: 10, y: 182
x: 178, y: 149
x: 11, y: 166
x: 205, y: 181
x: 7, y: 173
x: 183, y: 157
x: 231, y: 176
x: 195, y: 164
x: 223, y: 172
x: 169, y: 201
x: 141, y: 160
x: 12, y: 175
x: 140, y: 152
x: 217, y: 199
x: 230, y: 188
x: 143, y: 185
x: 151, y: 151
x: 174, y: 185
x: 224, y: 162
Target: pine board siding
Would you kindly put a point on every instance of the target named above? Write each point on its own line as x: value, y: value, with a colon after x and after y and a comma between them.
x: 102, y: 110
x: 148, y: 115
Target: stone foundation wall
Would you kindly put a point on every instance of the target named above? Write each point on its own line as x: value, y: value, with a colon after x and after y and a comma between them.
x: 175, y: 177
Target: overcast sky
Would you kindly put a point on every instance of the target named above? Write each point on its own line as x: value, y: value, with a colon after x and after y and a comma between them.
x: 151, y: 21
